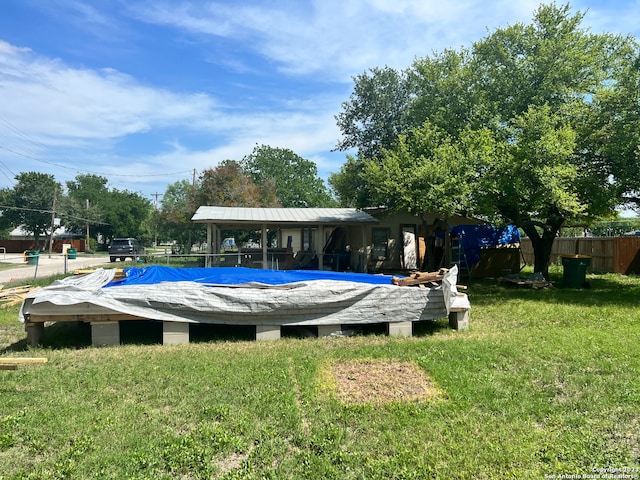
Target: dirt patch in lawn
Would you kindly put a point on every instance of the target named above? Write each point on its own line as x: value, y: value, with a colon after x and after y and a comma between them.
x: 382, y: 381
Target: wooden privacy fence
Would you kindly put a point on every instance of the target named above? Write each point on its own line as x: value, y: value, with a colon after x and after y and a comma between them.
x: 19, y: 246
x: 608, y: 254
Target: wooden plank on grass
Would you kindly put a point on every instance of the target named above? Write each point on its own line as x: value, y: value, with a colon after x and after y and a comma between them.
x: 22, y: 360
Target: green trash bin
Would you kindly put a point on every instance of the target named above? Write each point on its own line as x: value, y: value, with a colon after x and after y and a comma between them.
x: 31, y: 256
x: 71, y: 253
x: 575, y: 270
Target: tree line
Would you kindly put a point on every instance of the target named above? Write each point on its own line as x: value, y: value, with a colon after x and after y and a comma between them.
x: 268, y: 177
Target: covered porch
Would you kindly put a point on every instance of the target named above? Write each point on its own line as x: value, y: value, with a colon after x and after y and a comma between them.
x: 310, y: 238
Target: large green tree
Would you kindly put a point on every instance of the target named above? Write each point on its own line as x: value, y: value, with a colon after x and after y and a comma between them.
x: 30, y: 203
x: 423, y: 173
x: 83, y: 205
x: 376, y: 113
x: 370, y: 121
x: 517, y: 128
x: 174, y: 218
x: 227, y: 185
x: 126, y: 214
x: 611, y: 133
x: 36, y: 196
x: 296, y: 179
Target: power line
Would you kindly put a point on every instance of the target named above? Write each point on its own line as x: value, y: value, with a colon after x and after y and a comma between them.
x: 96, y: 173
x: 11, y: 180
x: 62, y: 214
x: 33, y: 156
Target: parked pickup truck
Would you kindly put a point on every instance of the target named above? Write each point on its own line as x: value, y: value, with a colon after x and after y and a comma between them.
x: 123, y: 248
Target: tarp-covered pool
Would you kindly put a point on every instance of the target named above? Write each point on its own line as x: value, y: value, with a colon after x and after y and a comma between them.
x: 240, y: 275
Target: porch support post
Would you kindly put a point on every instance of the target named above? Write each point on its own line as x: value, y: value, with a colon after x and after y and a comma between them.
x: 207, y: 262
x: 217, y: 242
x: 365, y: 259
x: 320, y: 249
x: 265, y: 260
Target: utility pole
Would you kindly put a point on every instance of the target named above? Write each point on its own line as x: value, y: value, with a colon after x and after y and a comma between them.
x: 155, y: 221
x: 53, y: 220
x: 86, y: 247
x: 156, y: 195
x: 194, y: 185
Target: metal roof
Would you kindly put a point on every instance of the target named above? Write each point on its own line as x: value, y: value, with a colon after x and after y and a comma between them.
x: 281, y: 216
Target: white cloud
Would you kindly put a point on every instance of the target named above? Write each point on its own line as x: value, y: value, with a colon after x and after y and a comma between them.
x: 82, y: 113
x: 60, y: 104
x: 338, y: 39
x: 303, y: 133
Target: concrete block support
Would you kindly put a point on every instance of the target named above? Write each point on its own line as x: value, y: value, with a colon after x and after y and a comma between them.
x: 329, y: 330
x: 105, y: 334
x: 400, y: 329
x: 459, y: 320
x: 35, y: 333
x: 267, y: 332
x: 175, y: 333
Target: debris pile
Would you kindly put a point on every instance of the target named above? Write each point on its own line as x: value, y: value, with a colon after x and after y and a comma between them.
x: 431, y: 279
x: 14, y: 296
x: 534, y: 281
x: 119, y: 275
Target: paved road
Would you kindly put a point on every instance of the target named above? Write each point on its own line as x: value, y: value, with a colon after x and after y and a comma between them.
x: 48, y: 265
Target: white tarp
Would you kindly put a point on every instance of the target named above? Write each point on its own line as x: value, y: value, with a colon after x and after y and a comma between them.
x: 317, y: 302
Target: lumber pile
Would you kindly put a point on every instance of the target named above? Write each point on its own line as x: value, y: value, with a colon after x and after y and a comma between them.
x: 119, y: 275
x: 421, y: 278
x: 14, y: 296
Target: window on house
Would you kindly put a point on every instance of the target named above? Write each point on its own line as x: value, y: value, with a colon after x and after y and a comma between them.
x: 380, y: 242
x: 307, y: 238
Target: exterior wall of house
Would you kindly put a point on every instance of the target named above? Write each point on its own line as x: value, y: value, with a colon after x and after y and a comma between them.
x: 396, y: 256
x: 385, y: 248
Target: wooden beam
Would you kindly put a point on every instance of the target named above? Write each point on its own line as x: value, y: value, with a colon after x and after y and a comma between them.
x: 419, y: 278
x: 114, y: 317
x: 8, y: 366
x: 22, y: 360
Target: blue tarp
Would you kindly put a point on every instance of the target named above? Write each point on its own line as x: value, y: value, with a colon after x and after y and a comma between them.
x: 239, y: 275
x: 476, y: 237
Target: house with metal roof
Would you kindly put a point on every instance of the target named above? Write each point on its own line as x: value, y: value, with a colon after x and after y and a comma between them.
x: 315, y: 238
x: 372, y: 240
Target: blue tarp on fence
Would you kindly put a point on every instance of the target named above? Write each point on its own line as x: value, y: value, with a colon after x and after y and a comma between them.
x: 239, y: 275
x: 476, y: 237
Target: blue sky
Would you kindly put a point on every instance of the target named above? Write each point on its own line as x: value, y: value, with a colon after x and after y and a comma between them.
x: 147, y: 92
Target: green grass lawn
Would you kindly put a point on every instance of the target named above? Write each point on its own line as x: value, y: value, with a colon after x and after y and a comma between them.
x: 545, y: 382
